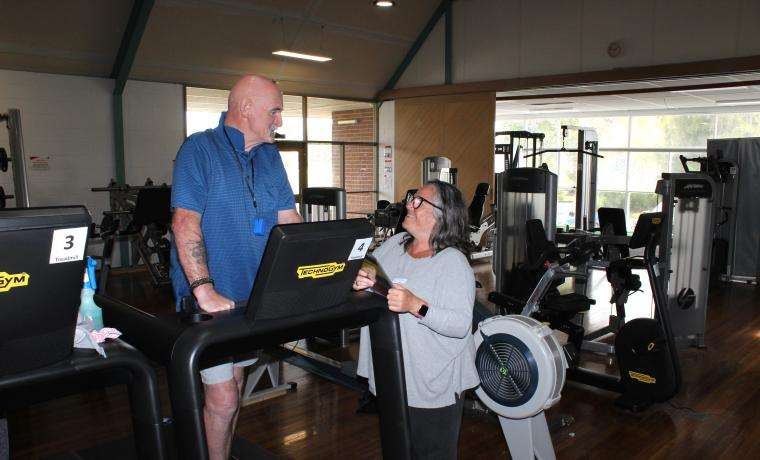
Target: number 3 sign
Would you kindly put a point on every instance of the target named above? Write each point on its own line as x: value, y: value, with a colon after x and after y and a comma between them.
x: 68, y: 245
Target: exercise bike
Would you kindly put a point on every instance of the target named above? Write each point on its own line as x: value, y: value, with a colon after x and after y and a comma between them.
x: 644, y: 347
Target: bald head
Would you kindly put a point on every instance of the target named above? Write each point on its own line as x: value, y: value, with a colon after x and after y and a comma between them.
x: 254, y: 108
x: 250, y: 87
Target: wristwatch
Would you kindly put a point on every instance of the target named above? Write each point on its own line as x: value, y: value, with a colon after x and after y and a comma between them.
x: 422, y: 311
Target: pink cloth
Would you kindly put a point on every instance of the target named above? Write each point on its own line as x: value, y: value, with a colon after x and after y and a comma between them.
x: 103, y: 334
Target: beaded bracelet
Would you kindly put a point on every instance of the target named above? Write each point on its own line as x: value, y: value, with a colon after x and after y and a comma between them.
x: 200, y: 282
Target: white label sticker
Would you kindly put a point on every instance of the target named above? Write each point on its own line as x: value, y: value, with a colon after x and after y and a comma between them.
x: 360, y: 249
x: 68, y: 245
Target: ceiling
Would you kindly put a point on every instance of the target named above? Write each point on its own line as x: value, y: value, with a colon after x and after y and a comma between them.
x: 211, y: 43
x: 647, y: 96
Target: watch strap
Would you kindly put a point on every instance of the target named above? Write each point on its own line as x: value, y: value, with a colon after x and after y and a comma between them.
x: 422, y: 311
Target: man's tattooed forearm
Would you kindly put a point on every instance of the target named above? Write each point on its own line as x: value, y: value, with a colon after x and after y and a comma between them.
x: 199, y: 252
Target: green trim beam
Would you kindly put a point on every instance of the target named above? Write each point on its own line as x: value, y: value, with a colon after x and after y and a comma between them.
x: 417, y: 44
x: 130, y: 42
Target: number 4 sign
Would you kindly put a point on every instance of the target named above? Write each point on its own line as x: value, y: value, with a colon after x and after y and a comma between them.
x: 68, y: 245
x: 360, y: 248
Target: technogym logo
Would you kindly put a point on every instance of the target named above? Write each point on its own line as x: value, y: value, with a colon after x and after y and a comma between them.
x: 320, y: 270
x: 643, y: 378
x: 9, y: 281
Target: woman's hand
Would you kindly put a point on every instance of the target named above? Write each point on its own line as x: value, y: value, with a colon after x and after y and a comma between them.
x: 401, y: 300
x: 365, y: 279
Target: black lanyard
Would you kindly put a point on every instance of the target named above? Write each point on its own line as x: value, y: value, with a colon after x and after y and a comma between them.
x: 250, y: 185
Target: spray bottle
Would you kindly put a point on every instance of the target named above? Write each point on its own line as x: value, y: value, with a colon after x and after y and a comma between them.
x: 88, y: 308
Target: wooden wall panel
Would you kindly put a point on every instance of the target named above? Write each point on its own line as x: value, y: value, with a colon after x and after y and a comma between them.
x: 457, y: 127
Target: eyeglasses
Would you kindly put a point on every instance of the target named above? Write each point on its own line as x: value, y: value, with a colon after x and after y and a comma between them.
x: 418, y: 200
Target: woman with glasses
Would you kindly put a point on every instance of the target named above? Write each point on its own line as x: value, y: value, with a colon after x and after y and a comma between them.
x: 433, y: 292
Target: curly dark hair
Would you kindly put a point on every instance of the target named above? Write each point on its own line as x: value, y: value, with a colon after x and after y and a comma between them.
x: 451, y: 228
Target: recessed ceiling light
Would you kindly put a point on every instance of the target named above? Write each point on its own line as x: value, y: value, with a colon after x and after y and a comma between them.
x: 384, y: 3
x: 308, y: 57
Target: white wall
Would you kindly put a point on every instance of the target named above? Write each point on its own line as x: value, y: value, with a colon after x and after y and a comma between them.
x: 153, y: 130
x: 68, y: 120
x: 427, y: 66
x: 499, y: 39
x: 386, y: 136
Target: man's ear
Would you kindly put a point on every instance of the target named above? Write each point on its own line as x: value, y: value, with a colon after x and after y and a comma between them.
x: 246, y: 108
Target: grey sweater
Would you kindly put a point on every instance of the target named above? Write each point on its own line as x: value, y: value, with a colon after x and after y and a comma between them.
x: 439, y: 351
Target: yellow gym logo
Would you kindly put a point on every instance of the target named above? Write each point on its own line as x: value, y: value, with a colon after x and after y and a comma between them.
x: 643, y: 378
x: 319, y: 270
x: 9, y: 281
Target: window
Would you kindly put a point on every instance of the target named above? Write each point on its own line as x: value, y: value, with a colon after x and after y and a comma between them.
x: 325, y: 165
x: 340, y: 121
x: 637, y: 149
x: 730, y: 125
x: 611, y: 171
x: 204, y: 106
x: 660, y: 131
x: 612, y: 131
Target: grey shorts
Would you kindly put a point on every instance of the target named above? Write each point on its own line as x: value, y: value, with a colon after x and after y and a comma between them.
x: 223, y: 372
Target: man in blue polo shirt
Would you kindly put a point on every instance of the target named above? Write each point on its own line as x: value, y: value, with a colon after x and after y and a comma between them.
x: 229, y: 189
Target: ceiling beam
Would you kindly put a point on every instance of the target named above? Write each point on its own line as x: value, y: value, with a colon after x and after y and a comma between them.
x: 655, y: 72
x: 130, y: 43
x: 417, y: 45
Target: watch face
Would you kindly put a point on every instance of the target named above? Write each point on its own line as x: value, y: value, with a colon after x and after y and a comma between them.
x: 423, y: 310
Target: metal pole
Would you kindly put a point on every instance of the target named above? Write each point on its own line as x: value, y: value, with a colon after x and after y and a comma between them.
x: 580, y: 195
x: 591, y: 175
x: 16, y: 140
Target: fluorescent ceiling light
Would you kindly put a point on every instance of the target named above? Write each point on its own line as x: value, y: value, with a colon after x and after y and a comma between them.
x: 384, y: 3
x: 738, y: 102
x: 308, y: 57
x: 352, y: 121
x: 702, y: 90
x: 545, y: 104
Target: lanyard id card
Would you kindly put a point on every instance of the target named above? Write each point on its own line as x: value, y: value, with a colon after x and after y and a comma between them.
x: 258, y: 226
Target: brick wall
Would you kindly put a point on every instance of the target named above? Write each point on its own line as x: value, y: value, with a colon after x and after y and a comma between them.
x: 360, y: 160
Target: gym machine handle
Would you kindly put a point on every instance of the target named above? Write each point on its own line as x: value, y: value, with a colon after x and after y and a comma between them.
x: 578, y: 253
x: 4, y: 197
x: 4, y: 159
x: 510, y: 304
